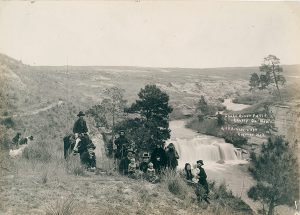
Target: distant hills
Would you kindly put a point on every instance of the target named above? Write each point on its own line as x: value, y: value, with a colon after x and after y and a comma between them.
x: 25, y: 87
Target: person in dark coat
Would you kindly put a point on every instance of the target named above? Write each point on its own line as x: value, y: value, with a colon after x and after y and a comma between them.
x: 202, y: 179
x: 124, y: 164
x: 86, y: 151
x: 122, y: 145
x: 79, y: 129
x: 80, y: 126
x: 159, y: 158
x: 172, y: 156
x: 16, y: 139
x: 145, y: 162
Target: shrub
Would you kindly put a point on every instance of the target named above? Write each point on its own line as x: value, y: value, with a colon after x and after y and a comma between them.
x: 226, y: 201
x: 67, y: 206
x: 44, y: 177
x: 74, y: 167
x: 234, y: 138
x: 206, y: 126
x: 4, y: 140
x: 37, y: 152
x: 175, y: 184
x: 8, y: 122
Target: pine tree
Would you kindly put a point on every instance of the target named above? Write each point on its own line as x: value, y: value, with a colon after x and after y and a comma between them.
x: 153, y: 109
x: 271, y: 74
x: 276, y: 170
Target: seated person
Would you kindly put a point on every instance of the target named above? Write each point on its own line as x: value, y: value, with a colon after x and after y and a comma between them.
x: 188, y: 172
x: 132, y: 168
x: 151, y: 175
x: 145, y: 162
x: 92, y: 161
x: 86, y: 151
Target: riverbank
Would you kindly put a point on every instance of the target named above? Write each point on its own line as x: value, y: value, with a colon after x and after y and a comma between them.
x: 232, y: 171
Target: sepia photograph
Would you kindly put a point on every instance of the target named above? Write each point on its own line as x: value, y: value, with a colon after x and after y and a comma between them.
x: 147, y: 107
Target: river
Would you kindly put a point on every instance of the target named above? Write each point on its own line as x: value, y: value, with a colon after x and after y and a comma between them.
x: 222, y: 162
x: 234, y: 106
x: 192, y: 146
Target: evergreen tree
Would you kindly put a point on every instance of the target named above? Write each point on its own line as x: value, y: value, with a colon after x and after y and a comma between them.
x: 276, y: 170
x: 254, y: 81
x: 153, y: 109
x: 271, y: 74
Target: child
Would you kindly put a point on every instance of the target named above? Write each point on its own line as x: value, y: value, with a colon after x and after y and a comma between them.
x: 151, y: 176
x: 132, y: 168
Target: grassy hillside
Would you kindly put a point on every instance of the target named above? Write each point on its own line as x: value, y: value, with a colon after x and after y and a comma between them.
x: 44, y: 101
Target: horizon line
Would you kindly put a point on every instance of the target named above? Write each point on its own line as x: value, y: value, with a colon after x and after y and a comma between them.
x: 154, y: 67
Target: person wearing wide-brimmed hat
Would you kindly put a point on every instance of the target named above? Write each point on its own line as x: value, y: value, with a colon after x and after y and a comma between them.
x: 145, y: 162
x: 80, y: 124
x: 79, y: 128
x: 202, y: 179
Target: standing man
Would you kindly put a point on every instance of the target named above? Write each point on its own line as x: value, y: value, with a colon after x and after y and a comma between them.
x: 159, y: 158
x: 122, y: 145
x: 172, y: 156
x: 79, y: 129
x: 202, y: 179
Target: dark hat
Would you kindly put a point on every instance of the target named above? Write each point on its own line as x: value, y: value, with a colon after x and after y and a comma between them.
x: 81, y: 113
x: 146, y: 155
x: 200, y: 161
x: 121, y: 131
x: 171, y: 145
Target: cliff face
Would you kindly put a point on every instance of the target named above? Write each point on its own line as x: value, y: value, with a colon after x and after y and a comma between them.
x: 287, y: 120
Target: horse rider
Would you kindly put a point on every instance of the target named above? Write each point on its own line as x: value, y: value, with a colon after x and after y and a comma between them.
x: 79, y: 129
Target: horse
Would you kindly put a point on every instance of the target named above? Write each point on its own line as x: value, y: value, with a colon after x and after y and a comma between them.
x: 69, y: 143
x: 85, y: 149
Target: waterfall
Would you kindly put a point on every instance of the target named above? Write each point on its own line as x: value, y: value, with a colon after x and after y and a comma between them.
x: 206, y: 148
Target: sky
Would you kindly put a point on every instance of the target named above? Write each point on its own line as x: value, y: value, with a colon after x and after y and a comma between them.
x: 192, y: 34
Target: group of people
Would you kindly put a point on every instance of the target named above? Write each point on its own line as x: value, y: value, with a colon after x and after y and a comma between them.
x: 130, y: 166
x: 129, y: 163
x: 150, y: 165
x: 197, y: 178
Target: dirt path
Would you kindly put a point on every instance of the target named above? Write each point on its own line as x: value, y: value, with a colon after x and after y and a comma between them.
x: 36, y: 111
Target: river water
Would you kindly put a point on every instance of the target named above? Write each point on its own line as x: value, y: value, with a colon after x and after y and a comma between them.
x: 234, y: 106
x: 232, y: 170
x: 222, y: 161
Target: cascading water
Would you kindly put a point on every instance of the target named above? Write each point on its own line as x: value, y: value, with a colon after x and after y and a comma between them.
x: 204, y: 148
x: 192, y: 146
